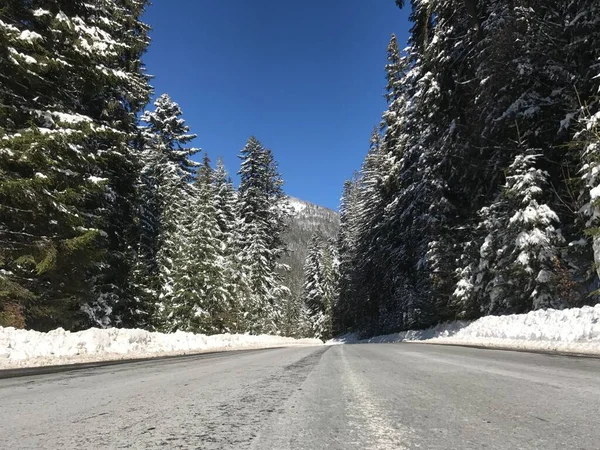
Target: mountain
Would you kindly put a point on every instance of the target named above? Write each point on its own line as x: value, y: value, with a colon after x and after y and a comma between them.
x: 306, y: 218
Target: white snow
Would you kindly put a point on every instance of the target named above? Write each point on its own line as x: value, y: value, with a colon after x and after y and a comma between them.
x: 595, y: 192
x: 575, y: 330
x: 70, y: 118
x: 96, y: 180
x: 108, y: 71
x: 8, y: 27
x: 29, y: 36
x: 28, y: 59
x: 297, y: 205
x: 25, y: 348
x: 62, y: 17
x: 41, y: 12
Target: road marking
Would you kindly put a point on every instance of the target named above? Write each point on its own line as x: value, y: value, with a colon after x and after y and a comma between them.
x: 364, y: 413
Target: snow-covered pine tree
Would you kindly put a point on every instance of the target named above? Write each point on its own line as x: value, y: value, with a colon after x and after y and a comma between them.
x: 230, y: 229
x: 331, y: 287
x: 400, y: 123
x: 72, y: 83
x: 321, y: 289
x: 295, y: 321
x: 477, y: 75
x: 532, y: 101
x: 145, y: 282
x: 260, y: 196
x: 225, y: 200
x: 346, y: 313
x: 165, y: 198
x: 124, y: 91
x: 370, y: 211
x: 530, y: 244
x: 169, y: 128
x: 313, y: 284
x: 200, y: 299
x: 393, y: 120
x: 588, y: 139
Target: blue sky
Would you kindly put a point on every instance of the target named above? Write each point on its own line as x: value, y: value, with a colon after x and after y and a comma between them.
x: 305, y: 77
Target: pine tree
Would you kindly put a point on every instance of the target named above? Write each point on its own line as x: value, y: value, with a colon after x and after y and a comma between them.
x: 346, y: 311
x: 295, y: 320
x: 165, y: 201
x: 145, y: 282
x: 200, y: 296
x: 588, y: 143
x: 260, y: 197
x: 467, y: 219
x: 331, y: 280
x: 225, y: 203
x: 230, y: 226
x: 313, y: 283
x: 321, y: 278
x: 72, y: 83
x: 538, y: 241
x: 520, y: 253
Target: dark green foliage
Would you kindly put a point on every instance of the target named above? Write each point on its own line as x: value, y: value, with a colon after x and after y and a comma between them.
x: 71, y: 86
x: 473, y: 203
x: 105, y: 223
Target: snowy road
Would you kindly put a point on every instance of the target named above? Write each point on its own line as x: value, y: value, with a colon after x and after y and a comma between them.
x: 376, y: 396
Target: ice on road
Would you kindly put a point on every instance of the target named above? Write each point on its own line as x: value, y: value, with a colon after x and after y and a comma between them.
x: 371, y: 396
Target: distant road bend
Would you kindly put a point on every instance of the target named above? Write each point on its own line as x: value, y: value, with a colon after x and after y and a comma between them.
x: 372, y: 396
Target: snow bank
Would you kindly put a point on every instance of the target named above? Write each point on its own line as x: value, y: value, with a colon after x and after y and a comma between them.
x: 575, y: 330
x: 23, y: 348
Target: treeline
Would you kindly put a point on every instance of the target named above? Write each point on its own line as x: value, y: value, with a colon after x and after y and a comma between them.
x: 105, y: 220
x: 479, y: 193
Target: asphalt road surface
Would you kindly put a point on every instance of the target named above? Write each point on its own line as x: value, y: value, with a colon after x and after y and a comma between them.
x: 373, y: 396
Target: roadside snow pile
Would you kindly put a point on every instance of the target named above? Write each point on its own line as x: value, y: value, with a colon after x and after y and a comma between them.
x: 22, y: 348
x: 575, y: 330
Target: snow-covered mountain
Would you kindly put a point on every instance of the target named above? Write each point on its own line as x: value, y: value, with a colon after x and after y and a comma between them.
x: 306, y: 218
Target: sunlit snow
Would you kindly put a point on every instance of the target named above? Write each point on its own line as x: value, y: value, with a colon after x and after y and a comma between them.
x: 24, y: 348
x: 574, y: 330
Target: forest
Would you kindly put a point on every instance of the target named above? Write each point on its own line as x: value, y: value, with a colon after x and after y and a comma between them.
x: 107, y: 218
x: 478, y: 194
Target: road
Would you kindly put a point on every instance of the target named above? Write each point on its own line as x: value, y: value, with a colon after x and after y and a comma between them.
x: 372, y: 396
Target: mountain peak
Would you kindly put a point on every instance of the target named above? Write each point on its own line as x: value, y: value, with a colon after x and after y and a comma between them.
x: 306, y: 218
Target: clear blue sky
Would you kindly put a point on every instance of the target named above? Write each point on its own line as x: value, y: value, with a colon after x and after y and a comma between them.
x: 305, y: 77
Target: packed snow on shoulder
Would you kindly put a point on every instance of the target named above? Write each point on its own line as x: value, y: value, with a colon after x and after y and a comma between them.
x: 575, y: 330
x: 24, y: 348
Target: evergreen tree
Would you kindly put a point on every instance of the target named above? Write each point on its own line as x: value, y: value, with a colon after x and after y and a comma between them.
x: 230, y: 229
x: 200, y: 299
x: 346, y: 311
x: 588, y: 141
x: 313, y: 282
x: 260, y: 197
x: 462, y: 217
x: 296, y: 318
x: 72, y: 83
x: 321, y: 279
x: 165, y: 201
x: 331, y: 280
x: 520, y: 253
